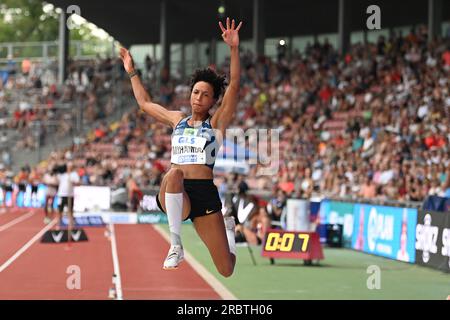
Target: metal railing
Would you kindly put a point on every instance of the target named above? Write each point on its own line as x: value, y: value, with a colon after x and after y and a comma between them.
x: 47, y: 50
x: 380, y: 202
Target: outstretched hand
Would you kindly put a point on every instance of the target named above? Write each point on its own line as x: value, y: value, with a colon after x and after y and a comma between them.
x: 231, y: 34
x: 127, y: 60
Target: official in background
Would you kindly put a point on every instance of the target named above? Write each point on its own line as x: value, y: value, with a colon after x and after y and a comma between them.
x: 67, y: 180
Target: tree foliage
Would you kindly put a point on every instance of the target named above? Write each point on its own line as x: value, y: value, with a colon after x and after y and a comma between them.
x: 25, y: 20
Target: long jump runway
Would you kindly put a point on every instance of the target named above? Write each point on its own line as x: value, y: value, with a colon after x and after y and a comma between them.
x: 30, y: 269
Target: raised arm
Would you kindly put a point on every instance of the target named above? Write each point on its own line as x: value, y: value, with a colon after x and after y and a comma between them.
x: 143, y: 99
x: 224, y: 115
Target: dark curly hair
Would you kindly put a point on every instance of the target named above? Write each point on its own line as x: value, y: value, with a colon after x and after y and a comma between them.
x: 210, y: 76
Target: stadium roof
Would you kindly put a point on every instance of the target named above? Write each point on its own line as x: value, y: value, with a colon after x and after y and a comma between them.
x: 138, y: 21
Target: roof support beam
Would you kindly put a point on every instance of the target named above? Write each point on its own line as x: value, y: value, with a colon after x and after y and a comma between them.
x: 258, y: 27
x: 164, y: 39
x: 63, y: 47
x: 434, y: 18
x: 213, y: 51
x: 196, y: 53
x: 183, y: 60
x: 344, y: 18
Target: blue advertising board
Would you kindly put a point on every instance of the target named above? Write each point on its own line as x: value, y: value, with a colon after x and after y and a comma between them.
x: 385, y: 231
x: 26, y: 199
x: 323, y: 214
x: 84, y: 221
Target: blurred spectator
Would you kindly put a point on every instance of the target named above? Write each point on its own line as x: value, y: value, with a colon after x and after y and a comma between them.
x: 67, y: 180
x: 368, y: 189
x: 276, y: 205
x: 255, y: 227
x: 134, y: 193
x: 374, y: 123
x: 51, y: 182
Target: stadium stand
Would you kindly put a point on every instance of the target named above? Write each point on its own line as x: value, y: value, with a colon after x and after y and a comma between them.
x: 371, y: 124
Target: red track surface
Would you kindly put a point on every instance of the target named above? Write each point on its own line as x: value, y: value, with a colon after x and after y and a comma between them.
x: 7, y: 214
x: 41, y: 272
x: 141, y: 252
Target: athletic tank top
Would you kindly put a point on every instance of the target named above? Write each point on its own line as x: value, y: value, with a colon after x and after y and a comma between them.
x: 194, y: 145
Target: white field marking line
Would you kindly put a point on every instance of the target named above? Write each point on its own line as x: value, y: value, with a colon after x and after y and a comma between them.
x: 169, y: 289
x: 15, y: 221
x: 115, y: 257
x: 27, y: 245
x: 223, y: 292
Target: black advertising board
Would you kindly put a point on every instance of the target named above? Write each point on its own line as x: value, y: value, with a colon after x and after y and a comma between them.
x: 433, y: 239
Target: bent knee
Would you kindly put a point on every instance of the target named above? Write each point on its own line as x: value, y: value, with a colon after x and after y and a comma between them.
x: 175, y: 173
x: 226, y: 271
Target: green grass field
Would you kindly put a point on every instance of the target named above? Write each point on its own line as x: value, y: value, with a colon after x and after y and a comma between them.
x: 342, y: 275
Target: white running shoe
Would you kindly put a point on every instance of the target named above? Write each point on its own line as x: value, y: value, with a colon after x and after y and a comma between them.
x: 174, y: 257
x: 230, y: 223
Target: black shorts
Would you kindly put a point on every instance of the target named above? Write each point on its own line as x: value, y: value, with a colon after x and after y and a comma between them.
x: 65, y: 201
x: 34, y: 189
x: 203, y: 195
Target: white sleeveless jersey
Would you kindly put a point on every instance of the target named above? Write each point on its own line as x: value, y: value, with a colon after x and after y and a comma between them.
x: 194, y: 145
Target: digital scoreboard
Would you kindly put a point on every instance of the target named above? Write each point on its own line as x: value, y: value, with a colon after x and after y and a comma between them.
x: 292, y: 245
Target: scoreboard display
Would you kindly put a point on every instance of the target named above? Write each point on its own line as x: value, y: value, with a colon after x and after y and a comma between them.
x: 292, y: 244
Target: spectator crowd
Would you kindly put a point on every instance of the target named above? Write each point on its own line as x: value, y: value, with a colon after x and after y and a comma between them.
x: 373, y: 124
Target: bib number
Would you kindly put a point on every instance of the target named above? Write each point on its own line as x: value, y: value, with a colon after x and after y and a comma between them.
x: 188, y: 150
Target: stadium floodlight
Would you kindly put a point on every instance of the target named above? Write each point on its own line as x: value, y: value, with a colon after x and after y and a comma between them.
x: 282, y: 42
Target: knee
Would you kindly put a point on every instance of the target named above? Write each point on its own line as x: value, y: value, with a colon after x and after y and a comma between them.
x: 226, y: 271
x: 175, y: 174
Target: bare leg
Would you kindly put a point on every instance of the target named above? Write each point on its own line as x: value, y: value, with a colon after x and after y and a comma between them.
x: 71, y: 222
x: 50, y: 211
x: 48, y: 202
x: 211, y: 229
x: 250, y: 236
x: 59, y: 218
